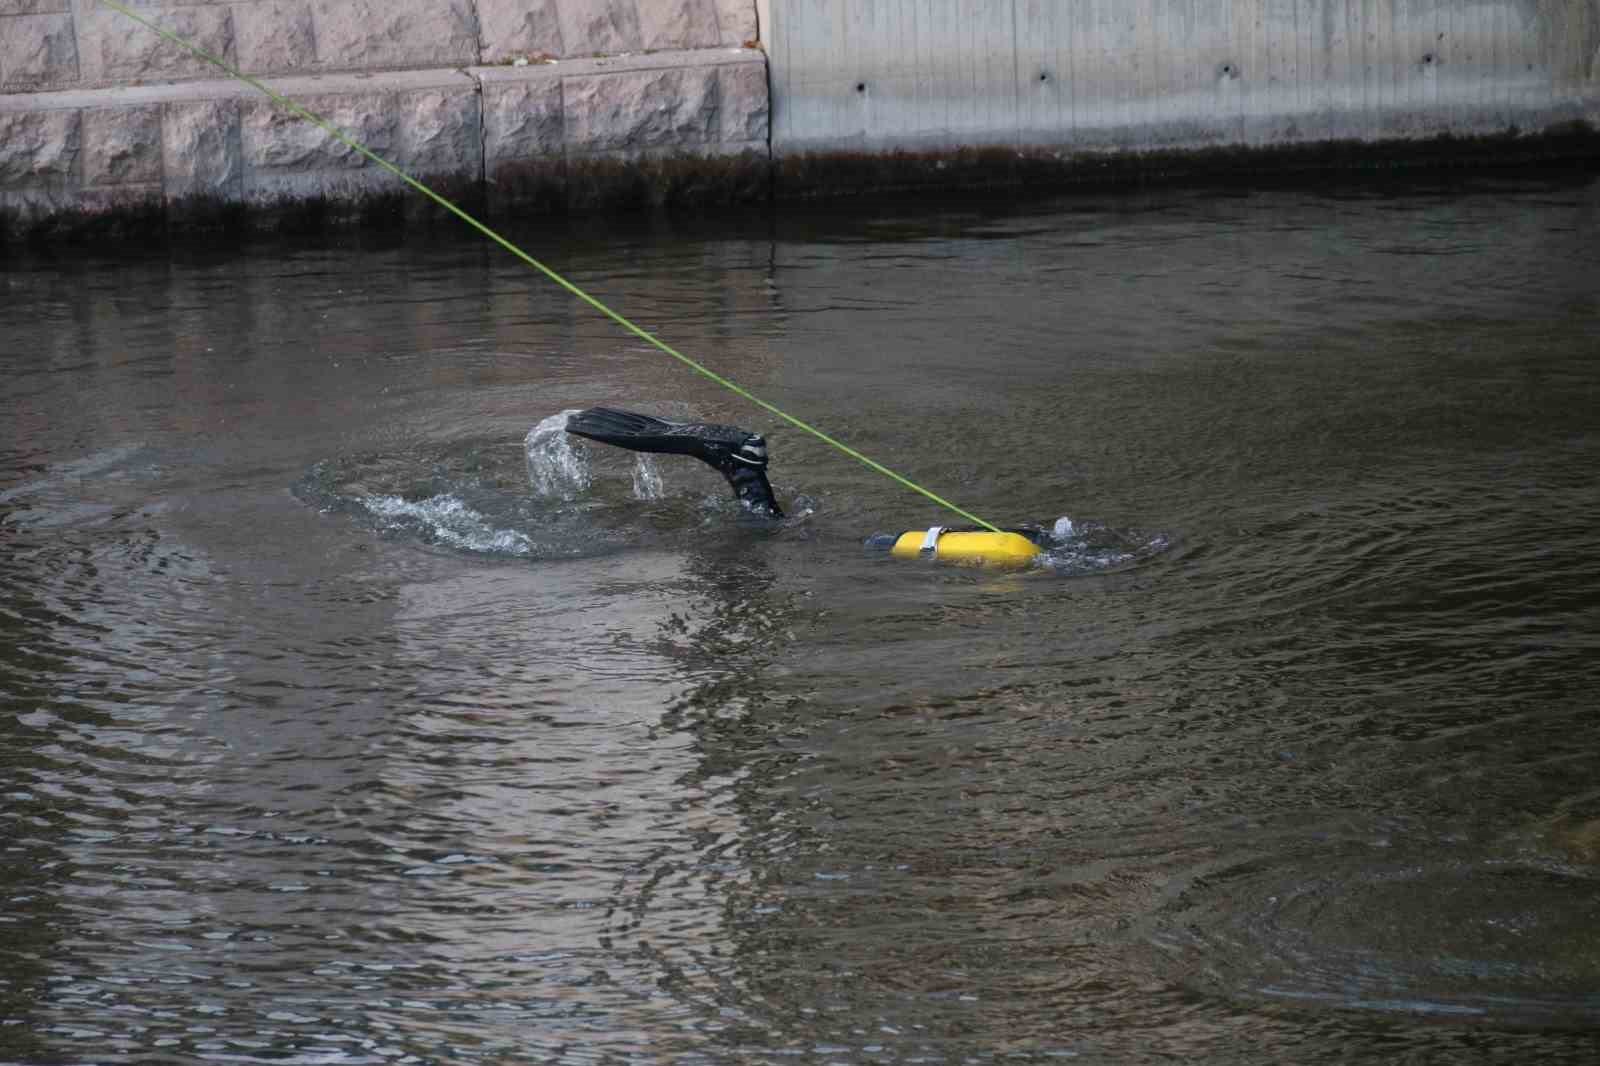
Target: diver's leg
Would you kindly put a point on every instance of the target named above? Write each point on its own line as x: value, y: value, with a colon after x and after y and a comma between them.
x: 736, y: 454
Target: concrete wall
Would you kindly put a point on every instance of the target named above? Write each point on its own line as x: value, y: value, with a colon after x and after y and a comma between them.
x: 100, y: 113
x: 550, y: 102
x: 867, y: 75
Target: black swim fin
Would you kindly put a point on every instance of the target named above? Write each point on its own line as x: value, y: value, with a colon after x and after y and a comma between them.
x: 736, y: 454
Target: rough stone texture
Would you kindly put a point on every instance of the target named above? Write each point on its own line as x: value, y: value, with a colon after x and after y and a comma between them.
x: 522, y: 117
x: 599, y: 28
x: 334, y: 35
x: 440, y: 132
x: 572, y: 29
x: 744, y: 103
x: 671, y: 127
x: 642, y: 109
x: 277, y: 140
x: 428, y: 123
x: 122, y: 146
x: 114, y: 48
x: 737, y: 20
x: 32, y: 7
x: 529, y: 29
x: 524, y: 161
x: 38, y: 51
x: 39, y: 147
x: 373, y: 34
x: 693, y: 101
x: 200, y: 149
x: 678, y: 24
x: 275, y: 36
x: 134, y: 121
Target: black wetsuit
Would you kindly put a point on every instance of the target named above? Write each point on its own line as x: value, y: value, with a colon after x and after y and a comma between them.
x: 736, y: 454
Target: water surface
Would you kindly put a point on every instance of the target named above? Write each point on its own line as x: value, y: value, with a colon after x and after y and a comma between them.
x: 329, y: 737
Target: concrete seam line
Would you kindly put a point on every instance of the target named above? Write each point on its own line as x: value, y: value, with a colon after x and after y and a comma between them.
x: 483, y: 130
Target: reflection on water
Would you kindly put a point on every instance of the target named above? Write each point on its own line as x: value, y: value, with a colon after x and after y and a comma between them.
x: 348, y: 718
x: 1497, y: 932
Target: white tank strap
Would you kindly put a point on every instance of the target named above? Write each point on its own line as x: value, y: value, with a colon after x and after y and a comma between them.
x: 930, y: 541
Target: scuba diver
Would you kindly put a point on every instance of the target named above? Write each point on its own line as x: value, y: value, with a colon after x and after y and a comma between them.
x: 741, y: 457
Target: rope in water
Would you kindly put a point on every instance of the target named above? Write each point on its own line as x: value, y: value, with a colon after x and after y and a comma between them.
x: 644, y: 334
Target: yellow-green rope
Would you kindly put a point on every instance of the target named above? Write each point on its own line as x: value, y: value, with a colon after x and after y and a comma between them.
x: 340, y: 135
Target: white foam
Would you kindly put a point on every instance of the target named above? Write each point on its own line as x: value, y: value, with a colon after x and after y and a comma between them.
x: 452, y: 522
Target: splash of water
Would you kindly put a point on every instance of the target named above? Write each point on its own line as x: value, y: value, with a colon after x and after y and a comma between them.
x: 447, y: 520
x: 647, y: 484
x: 558, y: 466
x: 1087, y: 547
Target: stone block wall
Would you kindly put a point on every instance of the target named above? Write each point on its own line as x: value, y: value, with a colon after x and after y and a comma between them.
x: 605, y: 118
x: 59, y: 44
x: 100, y: 113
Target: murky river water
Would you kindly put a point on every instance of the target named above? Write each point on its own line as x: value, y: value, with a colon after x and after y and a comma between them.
x: 328, y: 739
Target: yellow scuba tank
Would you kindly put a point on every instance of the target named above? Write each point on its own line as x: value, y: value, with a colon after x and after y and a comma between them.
x: 969, y: 547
